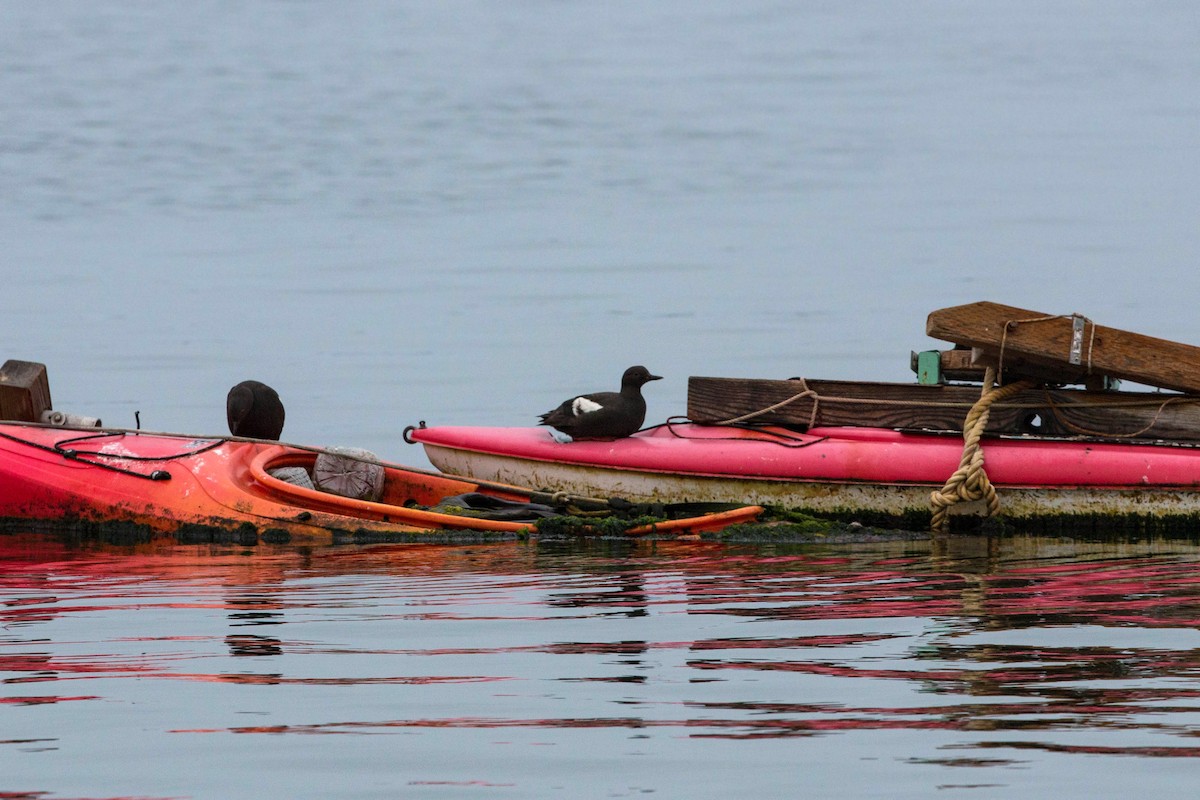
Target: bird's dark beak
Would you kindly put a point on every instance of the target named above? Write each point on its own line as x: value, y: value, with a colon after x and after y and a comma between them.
x: 654, y: 378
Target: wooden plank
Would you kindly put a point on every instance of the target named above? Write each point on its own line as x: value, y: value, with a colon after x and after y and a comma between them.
x: 958, y: 365
x: 887, y: 405
x: 1018, y: 368
x: 1074, y: 349
x: 952, y: 365
x: 1149, y: 415
x: 24, y: 391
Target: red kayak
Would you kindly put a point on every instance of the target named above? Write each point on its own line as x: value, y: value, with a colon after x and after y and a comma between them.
x: 840, y: 470
x: 107, y: 480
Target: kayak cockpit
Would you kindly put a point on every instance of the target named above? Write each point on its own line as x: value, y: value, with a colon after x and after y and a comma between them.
x: 407, y: 496
x: 429, y: 500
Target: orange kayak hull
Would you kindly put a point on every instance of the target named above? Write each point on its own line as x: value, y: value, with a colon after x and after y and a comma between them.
x: 173, y: 484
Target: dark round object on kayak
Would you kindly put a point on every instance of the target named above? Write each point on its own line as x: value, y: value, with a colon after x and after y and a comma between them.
x: 255, y: 411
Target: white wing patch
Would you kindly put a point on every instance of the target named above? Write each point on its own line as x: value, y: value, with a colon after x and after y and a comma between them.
x: 584, y: 406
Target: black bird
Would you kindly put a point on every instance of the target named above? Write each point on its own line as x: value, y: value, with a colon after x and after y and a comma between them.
x: 604, y: 415
x: 254, y: 410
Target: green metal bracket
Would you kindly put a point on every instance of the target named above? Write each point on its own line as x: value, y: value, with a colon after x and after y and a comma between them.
x: 928, y: 366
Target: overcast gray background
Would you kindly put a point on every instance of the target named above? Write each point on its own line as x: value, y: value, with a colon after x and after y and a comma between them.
x: 464, y: 212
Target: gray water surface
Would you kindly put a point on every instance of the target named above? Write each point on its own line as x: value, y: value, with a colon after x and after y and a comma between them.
x: 464, y: 212
x: 612, y: 670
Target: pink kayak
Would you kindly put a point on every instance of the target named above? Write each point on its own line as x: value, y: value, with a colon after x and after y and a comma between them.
x: 841, y: 470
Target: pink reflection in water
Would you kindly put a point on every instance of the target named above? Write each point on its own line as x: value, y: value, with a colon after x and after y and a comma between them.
x: 714, y: 642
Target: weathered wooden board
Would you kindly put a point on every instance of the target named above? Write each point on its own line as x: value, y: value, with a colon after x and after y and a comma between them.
x: 958, y: 365
x: 944, y: 407
x: 951, y: 365
x: 970, y: 365
x: 1019, y: 367
x: 1073, y: 348
x: 24, y: 391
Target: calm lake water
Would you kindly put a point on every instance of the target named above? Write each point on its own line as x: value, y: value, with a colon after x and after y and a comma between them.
x: 464, y: 212
x: 984, y: 669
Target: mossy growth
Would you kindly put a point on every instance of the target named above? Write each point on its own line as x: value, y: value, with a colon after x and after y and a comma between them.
x: 459, y: 511
x: 567, y: 526
x: 782, y: 525
x: 797, y: 520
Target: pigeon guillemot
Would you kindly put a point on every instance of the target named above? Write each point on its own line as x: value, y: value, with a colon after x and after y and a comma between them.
x: 254, y: 410
x: 604, y: 415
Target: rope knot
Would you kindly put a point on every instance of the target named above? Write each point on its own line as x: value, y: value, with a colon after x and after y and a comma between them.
x: 970, y: 482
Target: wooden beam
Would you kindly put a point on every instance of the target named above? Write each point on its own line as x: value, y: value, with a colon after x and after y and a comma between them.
x: 1149, y: 415
x: 959, y: 365
x: 24, y: 391
x: 1065, y: 348
x: 950, y: 365
x: 1018, y: 368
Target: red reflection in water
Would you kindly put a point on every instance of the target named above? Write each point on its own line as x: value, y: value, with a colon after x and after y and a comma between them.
x: 44, y: 699
x: 272, y: 679
x: 930, y: 598
x: 53, y: 796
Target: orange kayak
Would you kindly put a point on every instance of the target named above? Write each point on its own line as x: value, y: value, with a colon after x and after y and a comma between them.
x: 223, y: 488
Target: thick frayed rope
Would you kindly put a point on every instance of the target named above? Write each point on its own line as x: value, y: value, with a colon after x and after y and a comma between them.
x: 970, y: 482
